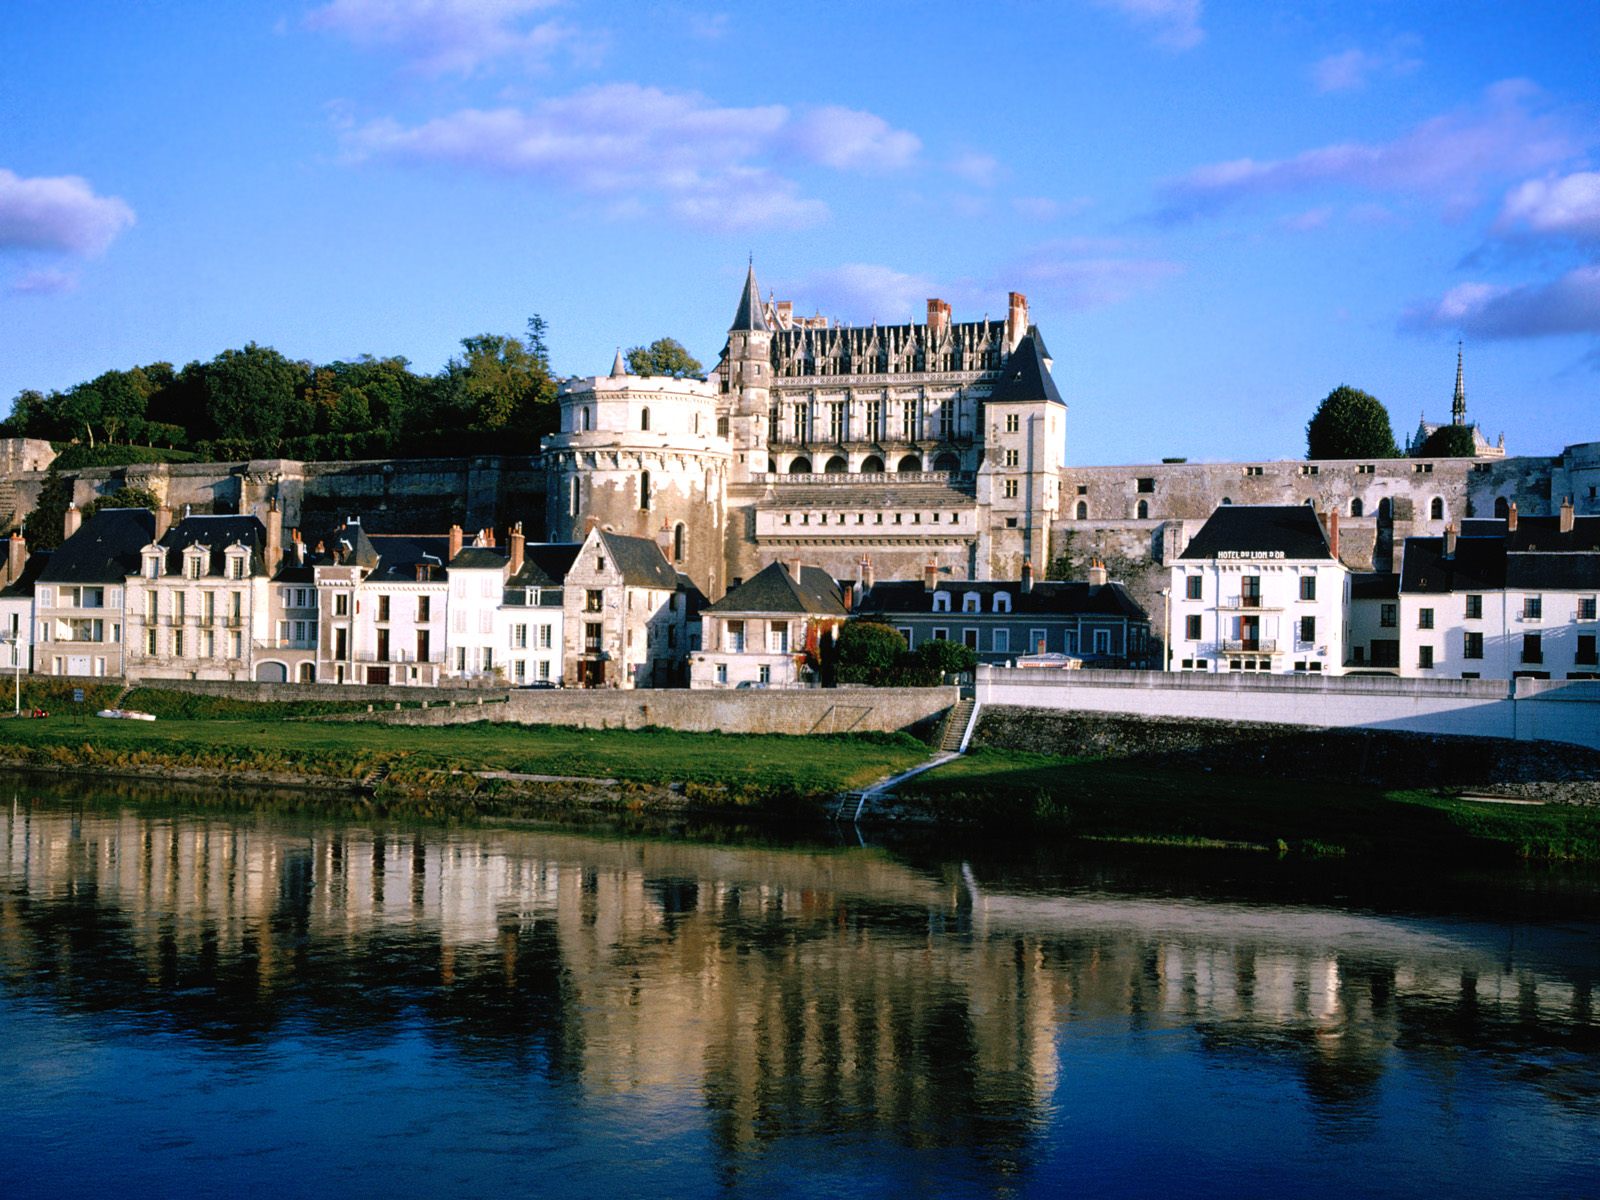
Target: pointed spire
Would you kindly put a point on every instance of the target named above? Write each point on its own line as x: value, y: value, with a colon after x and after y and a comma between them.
x: 1458, y: 406
x: 618, y: 367
x: 750, y: 317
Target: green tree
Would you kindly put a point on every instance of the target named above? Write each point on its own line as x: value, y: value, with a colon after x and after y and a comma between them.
x: 869, y: 652
x: 253, y: 396
x: 940, y: 658
x: 664, y: 356
x: 43, y: 527
x: 1350, y: 423
x: 1448, y: 441
x: 498, y: 386
x: 123, y: 497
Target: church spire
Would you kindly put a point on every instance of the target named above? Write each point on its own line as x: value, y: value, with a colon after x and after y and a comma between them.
x: 618, y: 367
x: 1458, y: 406
x: 750, y: 316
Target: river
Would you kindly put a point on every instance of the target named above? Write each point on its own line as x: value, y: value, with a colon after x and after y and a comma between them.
x: 198, y: 1000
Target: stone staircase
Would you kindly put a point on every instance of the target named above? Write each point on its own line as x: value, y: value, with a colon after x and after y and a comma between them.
x: 955, y: 725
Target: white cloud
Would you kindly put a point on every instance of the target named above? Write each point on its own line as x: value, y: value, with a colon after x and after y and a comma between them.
x: 975, y: 167
x: 1447, y: 157
x: 59, y: 213
x: 1175, y: 24
x: 1043, y: 208
x: 1351, y: 70
x: 646, y: 148
x: 1567, y: 205
x: 1569, y: 304
x: 1081, y: 273
x: 861, y: 292
x: 1312, y: 218
x: 446, y: 36
x: 46, y: 281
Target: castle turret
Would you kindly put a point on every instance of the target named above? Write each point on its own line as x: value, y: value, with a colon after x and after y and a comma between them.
x: 747, y: 379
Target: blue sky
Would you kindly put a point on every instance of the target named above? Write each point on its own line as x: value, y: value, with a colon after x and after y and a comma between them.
x: 1218, y: 212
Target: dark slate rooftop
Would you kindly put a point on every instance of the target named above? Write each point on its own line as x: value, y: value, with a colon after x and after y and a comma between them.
x: 1544, y: 534
x: 480, y: 558
x: 350, y: 541
x: 1374, y: 585
x: 1561, y: 572
x: 397, y: 556
x: 1025, y: 377
x: 750, y: 316
x: 1051, y: 597
x: 1479, y: 565
x: 1290, y: 530
x: 216, y: 533
x: 545, y: 564
x: 774, y: 590
x: 22, y: 586
x: 641, y: 562
x: 104, y: 550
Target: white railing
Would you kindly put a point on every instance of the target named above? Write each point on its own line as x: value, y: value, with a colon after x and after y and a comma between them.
x: 774, y: 479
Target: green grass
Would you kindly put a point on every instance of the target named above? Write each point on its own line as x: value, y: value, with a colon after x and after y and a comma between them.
x: 750, y: 767
x: 55, y: 697
x: 1121, y: 801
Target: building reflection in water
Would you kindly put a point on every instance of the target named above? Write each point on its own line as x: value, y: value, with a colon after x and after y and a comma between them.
x: 793, y: 993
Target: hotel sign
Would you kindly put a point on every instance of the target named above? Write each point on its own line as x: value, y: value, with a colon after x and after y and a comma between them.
x: 1249, y: 553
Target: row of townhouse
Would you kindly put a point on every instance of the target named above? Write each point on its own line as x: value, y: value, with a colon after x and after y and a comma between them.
x: 1261, y: 588
x: 132, y: 594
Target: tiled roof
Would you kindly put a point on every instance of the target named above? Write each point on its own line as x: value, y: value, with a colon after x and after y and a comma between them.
x: 774, y: 590
x: 545, y: 564
x: 1291, y: 530
x: 104, y: 550
x: 641, y: 562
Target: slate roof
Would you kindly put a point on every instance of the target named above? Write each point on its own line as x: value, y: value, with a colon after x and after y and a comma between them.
x: 1564, y: 572
x: 1051, y: 597
x: 1025, y: 377
x: 480, y: 558
x: 1544, y: 534
x: 774, y: 590
x: 22, y: 586
x: 1374, y: 585
x: 104, y: 550
x: 1291, y: 529
x: 216, y: 533
x: 352, y: 542
x: 749, y: 317
x: 545, y: 564
x: 397, y: 556
x: 1479, y: 565
x: 641, y: 562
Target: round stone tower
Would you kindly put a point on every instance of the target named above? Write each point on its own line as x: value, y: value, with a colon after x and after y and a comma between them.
x: 640, y: 455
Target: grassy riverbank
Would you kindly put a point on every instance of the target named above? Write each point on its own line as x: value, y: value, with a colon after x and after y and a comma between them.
x: 1118, y: 800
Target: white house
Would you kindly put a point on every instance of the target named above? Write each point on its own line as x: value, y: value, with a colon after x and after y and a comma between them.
x: 759, y: 634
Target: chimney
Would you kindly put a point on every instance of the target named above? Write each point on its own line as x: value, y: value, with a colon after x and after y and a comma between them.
x: 664, y: 541
x: 866, y: 574
x: 518, y: 548
x: 1333, y: 533
x: 938, y: 320
x: 1566, y: 515
x: 1016, y: 320
x: 299, y: 549
x: 1027, y: 576
x: 456, y: 536
x: 1511, y: 518
x: 930, y: 576
x: 71, y: 521
x: 274, y: 535
x: 244, y: 497
x: 16, y: 557
x: 1450, y: 540
x: 488, y: 537
x: 163, y: 521
x: 794, y: 569
x: 847, y: 593
x: 1098, y: 576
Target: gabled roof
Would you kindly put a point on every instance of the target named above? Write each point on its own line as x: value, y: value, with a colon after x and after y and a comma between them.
x: 22, y: 586
x: 1025, y: 377
x: 640, y: 561
x: 774, y: 590
x: 1544, y: 535
x: 104, y: 550
x: 1478, y: 565
x: 1051, y: 597
x: 480, y: 558
x: 545, y: 564
x: 351, y: 542
x: 749, y: 317
x: 396, y: 557
x: 1291, y: 530
x: 216, y: 533
x: 1553, y: 572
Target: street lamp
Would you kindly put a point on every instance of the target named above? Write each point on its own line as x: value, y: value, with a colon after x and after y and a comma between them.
x: 1166, y: 629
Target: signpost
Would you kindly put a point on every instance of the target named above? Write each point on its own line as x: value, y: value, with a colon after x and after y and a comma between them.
x: 77, y: 699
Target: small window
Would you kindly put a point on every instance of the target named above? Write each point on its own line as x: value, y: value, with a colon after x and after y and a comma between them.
x: 1143, y: 511
x: 1011, y: 489
x: 1532, y: 608
x: 644, y: 419
x: 1191, y: 587
x: 1147, y: 485
x: 644, y: 491
x: 1000, y: 641
x: 1437, y: 513
x: 1532, y: 648
x: 1083, y: 510
x: 593, y: 600
x: 941, y: 602
x: 1308, y: 587
x: 1191, y: 627
x: 1424, y: 618
x: 1002, y: 602
x: 1388, y: 615
x: 1472, y: 645
x: 971, y: 602
x: 1586, y: 608
x: 1356, y: 507
x: 1013, y: 423
x: 1308, y: 629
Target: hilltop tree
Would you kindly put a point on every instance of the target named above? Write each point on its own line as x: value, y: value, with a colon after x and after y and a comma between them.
x: 869, y: 652
x: 1350, y: 423
x: 499, y: 385
x: 1448, y: 441
x: 664, y: 356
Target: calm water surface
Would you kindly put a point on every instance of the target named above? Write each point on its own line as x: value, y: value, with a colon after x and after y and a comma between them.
x: 198, y: 1002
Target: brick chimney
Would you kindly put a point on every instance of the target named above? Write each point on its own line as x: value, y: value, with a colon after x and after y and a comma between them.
x: 1333, y: 533
x: 1450, y: 540
x: 456, y: 538
x: 299, y: 549
x: 71, y: 521
x: 1027, y: 576
x: 847, y: 594
x: 163, y: 521
x: 1511, y: 518
x: 1098, y: 576
x: 1016, y: 320
x: 1566, y: 515
x: 930, y: 576
x: 866, y: 574
x: 518, y: 548
x: 16, y: 557
x: 488, y: 537
x: 938, y: 319
x: 274, y: 535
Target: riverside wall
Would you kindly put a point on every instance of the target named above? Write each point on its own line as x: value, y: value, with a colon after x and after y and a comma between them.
x: 1523, y: 710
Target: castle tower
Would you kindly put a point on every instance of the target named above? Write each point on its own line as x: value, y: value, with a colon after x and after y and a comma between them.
x: 747, y: 382
x: 641, y: 456
x: 1019, y: 481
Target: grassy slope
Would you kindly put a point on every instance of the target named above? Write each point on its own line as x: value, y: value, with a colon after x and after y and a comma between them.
x: 806, y: 765
x: 1122, y: 801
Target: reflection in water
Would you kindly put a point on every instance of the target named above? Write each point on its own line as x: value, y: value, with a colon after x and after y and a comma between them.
x: 742, y: 1010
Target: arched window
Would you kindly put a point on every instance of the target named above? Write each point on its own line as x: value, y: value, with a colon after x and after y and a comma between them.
x: 644, y: 419
x: 572, y: 497
x: 308, y: 672
x: 971, y: 602
x: 1227, y: 499
x: 1356, y: 507
x: 697, y: 424
x: 583, y: 419
x: 644, y: 491
x: 909, y: 463
x: 800, y: 466
x: 1002, y: 602
x: 941, y: 602
x: 1083, y: 510
x: 872, y: 465
x: 836, y: 466
x: 1501, y: 508
x: 678, y: 540
x: 1144, y: 510
x: 1384, y: 509
x: 947, y: 462
x: 1437, y: 511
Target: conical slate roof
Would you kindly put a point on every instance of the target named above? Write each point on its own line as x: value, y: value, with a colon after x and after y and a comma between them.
x: 1025, y: 376
x: 749, y: 317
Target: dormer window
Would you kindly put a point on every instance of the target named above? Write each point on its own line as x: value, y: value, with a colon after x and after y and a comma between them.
x: 971, y: 602
x: 152, y: 566
x: 192, y: 566
x: 941, y: 602
x: 1002, y: 602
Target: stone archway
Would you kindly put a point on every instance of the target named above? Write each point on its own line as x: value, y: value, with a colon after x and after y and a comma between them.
x: 872, y: 465
x: 836, y: 466
x: 947, y: 462
x: 800, y: 466
x: 909, y: 464
x: 272, y: 672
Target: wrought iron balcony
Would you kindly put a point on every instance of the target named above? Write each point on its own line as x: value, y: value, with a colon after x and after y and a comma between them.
x: 1250, y: 646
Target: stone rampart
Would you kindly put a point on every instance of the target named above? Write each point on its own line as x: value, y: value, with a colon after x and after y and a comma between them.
x: 1531, y: 710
